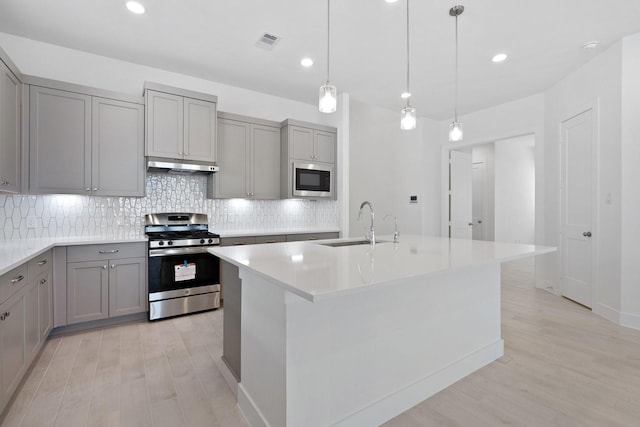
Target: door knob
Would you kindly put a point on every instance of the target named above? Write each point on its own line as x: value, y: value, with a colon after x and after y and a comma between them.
x: 587, y: 234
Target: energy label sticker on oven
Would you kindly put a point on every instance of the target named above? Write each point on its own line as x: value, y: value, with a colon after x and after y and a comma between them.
x: 186, y: 271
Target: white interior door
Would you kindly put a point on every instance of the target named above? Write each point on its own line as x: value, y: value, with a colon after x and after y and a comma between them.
x: 460, y: 194
x: 577, y: 201
x: 478, y: 201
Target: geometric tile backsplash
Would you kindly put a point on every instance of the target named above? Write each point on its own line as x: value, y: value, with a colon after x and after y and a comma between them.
x: 71, y: 215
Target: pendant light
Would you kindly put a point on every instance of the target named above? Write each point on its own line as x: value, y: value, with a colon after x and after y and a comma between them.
x: 408, y: 113
x: 328, y: 94
x: 455, y: 128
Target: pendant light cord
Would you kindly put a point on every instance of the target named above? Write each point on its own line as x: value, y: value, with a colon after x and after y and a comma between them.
x: 455, y: 111
x: 328, y: 35
x: 408, y: 81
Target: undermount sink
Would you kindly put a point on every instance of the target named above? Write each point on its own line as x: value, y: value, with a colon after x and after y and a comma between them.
x: 349, y: 243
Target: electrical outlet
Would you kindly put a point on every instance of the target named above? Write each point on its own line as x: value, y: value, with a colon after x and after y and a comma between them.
x: 31, y: 221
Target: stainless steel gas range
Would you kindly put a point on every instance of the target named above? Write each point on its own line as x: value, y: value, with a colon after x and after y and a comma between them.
x: 183, y: 276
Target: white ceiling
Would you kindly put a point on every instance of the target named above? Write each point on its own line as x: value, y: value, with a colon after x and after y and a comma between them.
x: 215, y: 40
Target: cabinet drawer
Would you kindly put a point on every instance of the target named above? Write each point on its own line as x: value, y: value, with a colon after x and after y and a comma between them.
x: 271, y: 239
x: 106, y: 251
x: 40, y: 264
x: 12, y: 281
x: 312, y: 236
x: 236, y: 241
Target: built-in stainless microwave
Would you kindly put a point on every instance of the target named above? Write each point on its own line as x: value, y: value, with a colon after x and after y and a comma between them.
x: 312, y: 180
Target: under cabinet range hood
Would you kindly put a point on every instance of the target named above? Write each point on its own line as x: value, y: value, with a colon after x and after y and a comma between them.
x: 180, y: 167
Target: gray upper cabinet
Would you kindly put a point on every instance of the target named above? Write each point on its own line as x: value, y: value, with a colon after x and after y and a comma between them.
x: 10, y: 135
x: 117, y: 149
x: 85, y: 144
x: 249, y: 158
x: 307, y: 141
x: 180, y: 124
x: 60, y: 141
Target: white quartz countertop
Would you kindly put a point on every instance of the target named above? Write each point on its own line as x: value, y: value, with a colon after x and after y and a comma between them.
x: 16, y: 252
x: 314, y: 271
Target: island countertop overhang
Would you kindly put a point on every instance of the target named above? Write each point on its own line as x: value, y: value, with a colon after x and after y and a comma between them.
x: 314, y: 271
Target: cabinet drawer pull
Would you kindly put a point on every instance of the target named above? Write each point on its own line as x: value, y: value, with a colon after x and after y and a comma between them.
x: 43, y: 262
x: 312, y: 238
x: 239, y: 243
x: 43, y: 281
x: 95, y: 189
x: 17, y: 279
x: 113, y: 251
x: 271, y: 241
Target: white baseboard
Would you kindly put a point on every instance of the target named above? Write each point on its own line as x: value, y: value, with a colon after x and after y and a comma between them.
x: 630, y: 320
x: 250, y: 411
x: 608, y: 313
x: 404, y: 399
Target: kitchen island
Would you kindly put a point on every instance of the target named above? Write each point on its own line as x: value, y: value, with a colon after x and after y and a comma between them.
x: 354, y: 335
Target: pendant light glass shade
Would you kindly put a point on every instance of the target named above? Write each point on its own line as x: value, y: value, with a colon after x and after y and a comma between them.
x: 455, y: 131
x: 455, y: 128
x: 408, y: 118
x: 327, y: 99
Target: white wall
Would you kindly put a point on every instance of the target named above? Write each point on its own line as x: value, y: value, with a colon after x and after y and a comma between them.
x: 630, y: 191
x: 386, y: 166
x: 515, y: 173
x: 597, y: 85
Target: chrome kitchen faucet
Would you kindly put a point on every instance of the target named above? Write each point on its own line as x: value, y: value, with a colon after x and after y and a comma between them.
x: 371, y: 237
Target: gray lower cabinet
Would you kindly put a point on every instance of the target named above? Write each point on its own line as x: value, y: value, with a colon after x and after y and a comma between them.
x: 312, y: 236
x: 105, y: 281
x: 25, y: 320
x: 180, y: 124
x: 10, y: 130
x: 249, y: 158
x: 84, y: 144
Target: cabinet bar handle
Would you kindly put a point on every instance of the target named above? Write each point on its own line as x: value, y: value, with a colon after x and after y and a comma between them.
x: 239, y: 243
x: 113, y: 251
x: 17, y: 279
x: 43, y: 262
x: 312, y: 238
x: 271, y: 241
x: 95, y: 188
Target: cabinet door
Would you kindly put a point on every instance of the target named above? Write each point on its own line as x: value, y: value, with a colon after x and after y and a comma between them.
x: 12, y: 344
x: 165, y: 115
x: 117, y: 148
x: 127, y: 286
x: 45, y: 318
x: 233, y: 146
x: 10, y: 105
x: 325, y: 146
x: 87, y: 291
x: 199, y: 130
x: 60, y: 141
x: 301, y: 143
x: 265, y: 162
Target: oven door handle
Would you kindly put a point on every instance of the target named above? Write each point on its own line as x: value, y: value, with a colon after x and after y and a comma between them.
x: 179, y: 251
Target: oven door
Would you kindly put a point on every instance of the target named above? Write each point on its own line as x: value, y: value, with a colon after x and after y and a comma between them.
x: 170, y: 270
x: 312, y: 180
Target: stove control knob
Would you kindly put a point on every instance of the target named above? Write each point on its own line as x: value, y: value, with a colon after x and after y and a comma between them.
x: 201, y: 240
x: 170, y: 242
x: 210, y: 240
x: 161, y: 243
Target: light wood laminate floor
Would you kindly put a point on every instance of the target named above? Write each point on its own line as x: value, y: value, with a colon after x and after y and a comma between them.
x: 563, y: 366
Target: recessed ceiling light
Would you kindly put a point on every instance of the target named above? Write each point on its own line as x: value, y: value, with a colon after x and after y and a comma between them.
x: 135, y: 7
x: 591, y: 45
x: 405, y: 95
x: 499, y: 57
x: 306, y: 62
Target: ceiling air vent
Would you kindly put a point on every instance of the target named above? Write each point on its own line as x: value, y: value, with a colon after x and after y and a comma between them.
x: 268, y: 41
